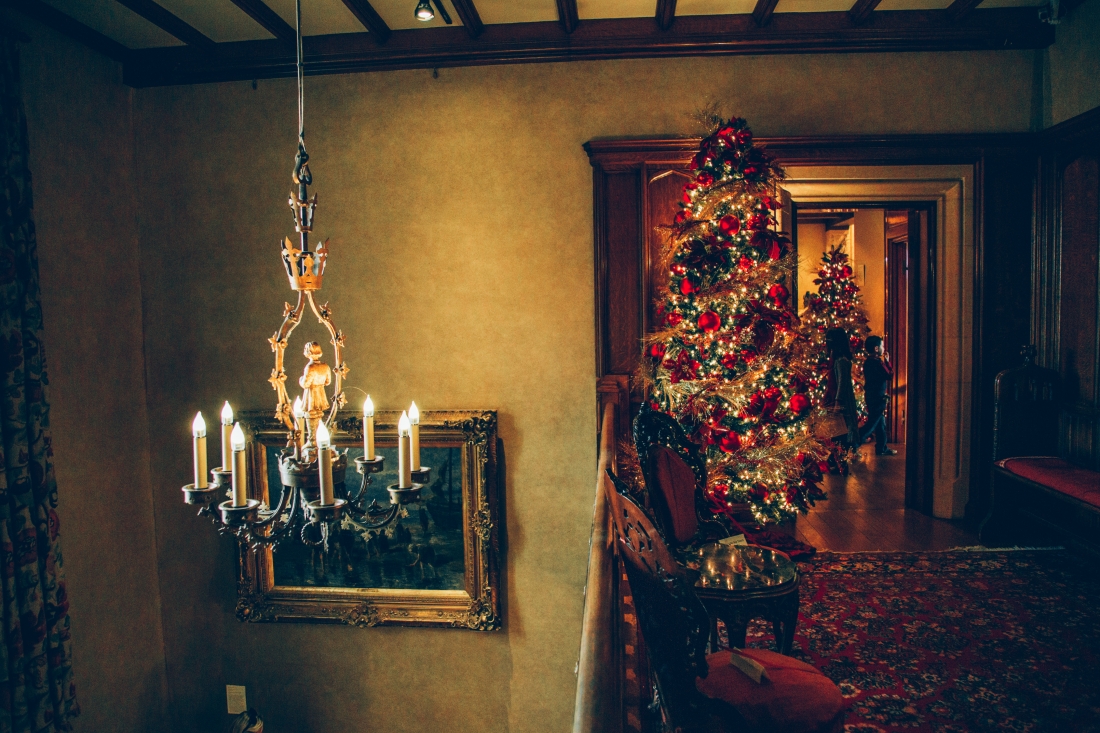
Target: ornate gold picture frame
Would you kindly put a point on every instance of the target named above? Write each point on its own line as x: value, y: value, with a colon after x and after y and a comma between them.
x: 436, y: 565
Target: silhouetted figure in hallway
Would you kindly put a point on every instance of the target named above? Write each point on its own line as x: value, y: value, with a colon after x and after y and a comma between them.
x: 876, y: 381
x: 839, y: 392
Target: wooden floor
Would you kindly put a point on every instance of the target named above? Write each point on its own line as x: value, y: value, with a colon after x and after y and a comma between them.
x: 866, y: 511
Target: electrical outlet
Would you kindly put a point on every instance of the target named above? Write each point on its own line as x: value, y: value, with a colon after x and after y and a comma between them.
x: 235, y: 700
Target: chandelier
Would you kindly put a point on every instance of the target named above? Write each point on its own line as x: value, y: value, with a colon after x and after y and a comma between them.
x: 314, y: 498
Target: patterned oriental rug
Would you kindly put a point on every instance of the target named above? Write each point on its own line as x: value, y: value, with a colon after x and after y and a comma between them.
x: 954, y: 642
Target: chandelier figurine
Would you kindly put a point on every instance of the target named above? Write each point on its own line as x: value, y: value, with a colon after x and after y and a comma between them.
x: 314, y: 499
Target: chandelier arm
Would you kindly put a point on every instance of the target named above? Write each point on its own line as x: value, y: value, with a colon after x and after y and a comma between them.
x: 280, y: 532
x: 291, y: 318
x: 370, y: 522
x: 324, y: 316
x: 274, y: 515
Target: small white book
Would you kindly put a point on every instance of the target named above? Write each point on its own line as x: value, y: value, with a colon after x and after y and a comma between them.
x: 753, y: 669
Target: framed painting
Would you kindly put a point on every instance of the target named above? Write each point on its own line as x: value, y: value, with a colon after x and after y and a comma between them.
x: 435, y: 563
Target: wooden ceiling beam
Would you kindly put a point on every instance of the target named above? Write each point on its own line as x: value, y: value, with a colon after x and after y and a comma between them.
x: 762, y: 13
x: 470, y: 18
x: 692, y: 35
x: 167, y: 22
x: 49, y: 16
x: 271, y: 21
x: 861, y: 11
x: 369, y: 17
x: 666, y: 14
x: 567, y: 15
x: 961, y: 8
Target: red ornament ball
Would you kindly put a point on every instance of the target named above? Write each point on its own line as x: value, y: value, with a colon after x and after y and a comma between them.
x: 729, y: 225
x: 673, y: 319
x: 704, y: 179
x: 799, y: 403
x: 710, y: 321
x: 657, y: 351
x: 687, y: 287
x: 778, y: 293
x: 846, y: 271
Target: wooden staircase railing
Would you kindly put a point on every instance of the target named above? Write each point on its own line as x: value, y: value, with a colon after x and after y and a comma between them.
x: 599, y: 704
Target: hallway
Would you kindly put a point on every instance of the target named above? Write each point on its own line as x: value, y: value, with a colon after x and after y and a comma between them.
x: 866, y: 511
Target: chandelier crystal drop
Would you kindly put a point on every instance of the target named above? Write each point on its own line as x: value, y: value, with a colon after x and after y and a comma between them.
x: 314, y: 500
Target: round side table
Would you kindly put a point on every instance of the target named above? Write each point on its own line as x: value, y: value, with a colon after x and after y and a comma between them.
x: 738, y: 583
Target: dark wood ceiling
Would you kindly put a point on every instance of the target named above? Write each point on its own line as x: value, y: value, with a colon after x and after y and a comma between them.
x: 211, y: 45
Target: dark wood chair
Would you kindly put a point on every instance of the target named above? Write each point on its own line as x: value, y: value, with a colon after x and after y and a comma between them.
x: 736, y: 583
x: 675, y: 473
x: 699, y: 692
x: 1042, y: 490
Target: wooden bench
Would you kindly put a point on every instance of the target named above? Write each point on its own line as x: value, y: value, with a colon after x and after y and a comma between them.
x: 1046, y: 486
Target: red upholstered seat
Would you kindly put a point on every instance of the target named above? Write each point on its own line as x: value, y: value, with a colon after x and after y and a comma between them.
x: 676, y: 483
x: 1064, y: 477
x: 795, y: 699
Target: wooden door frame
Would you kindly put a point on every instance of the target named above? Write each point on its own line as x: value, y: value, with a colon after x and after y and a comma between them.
x: 620, y: 253
x: 920, y: 346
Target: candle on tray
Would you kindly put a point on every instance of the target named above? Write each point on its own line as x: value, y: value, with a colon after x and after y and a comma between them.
x: 324, y: 461
x: 404, y: 450
x: 414, y: 422
x: 240, y: 467
x: 368, y: 429
x: 227, y: 430
x: 198, y: 432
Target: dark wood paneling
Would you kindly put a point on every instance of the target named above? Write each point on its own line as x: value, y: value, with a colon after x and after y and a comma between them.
x: 1066, y: 278
x: 52, y: 18
x: 664, y: 187
x: 371, y: 20
x: 762, y: 13
x: 961, y: 8
x: 618, y: 229
x: 1077, y: 356
x: 271, y: 21
x: 696, y: 35
x: 1002, y: 296
x: 921, y: 402
x: 666, y: 14
x: 567, y: 15
x: 471, y: 20
x: 164, y: 20
x: 862, y: 10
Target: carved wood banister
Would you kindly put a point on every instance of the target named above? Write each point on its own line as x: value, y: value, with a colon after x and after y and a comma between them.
x: 599, y: 667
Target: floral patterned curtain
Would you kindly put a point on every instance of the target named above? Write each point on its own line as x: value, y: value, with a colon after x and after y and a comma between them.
x: 37, y: 692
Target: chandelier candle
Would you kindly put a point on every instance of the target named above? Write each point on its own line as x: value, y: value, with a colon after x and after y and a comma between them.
x: 324, y: 460
x: 414, y: 422
x: 240, y: 467
x: 227, y: 431
x: 368, y: 429
x: 300, y: 422
x: 198, y: 432
x: 404, y: 452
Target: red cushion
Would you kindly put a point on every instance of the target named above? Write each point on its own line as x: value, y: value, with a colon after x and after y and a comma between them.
x: 795, y: 699
x: 676, y: 482
x: 1080, y: 483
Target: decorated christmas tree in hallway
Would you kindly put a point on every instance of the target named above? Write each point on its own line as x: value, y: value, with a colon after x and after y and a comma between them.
x: 836, y: 304
x: 728, y: 362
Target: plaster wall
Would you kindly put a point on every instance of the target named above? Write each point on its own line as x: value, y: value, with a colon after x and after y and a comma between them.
x: 81, y: 157
x: 811, y: 246
x: 871, y: 265
x: 1073, y: 61
x: 460, y: 214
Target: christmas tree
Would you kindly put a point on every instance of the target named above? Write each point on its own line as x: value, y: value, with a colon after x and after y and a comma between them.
x: 836, y: 304
x: 724, y: 363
